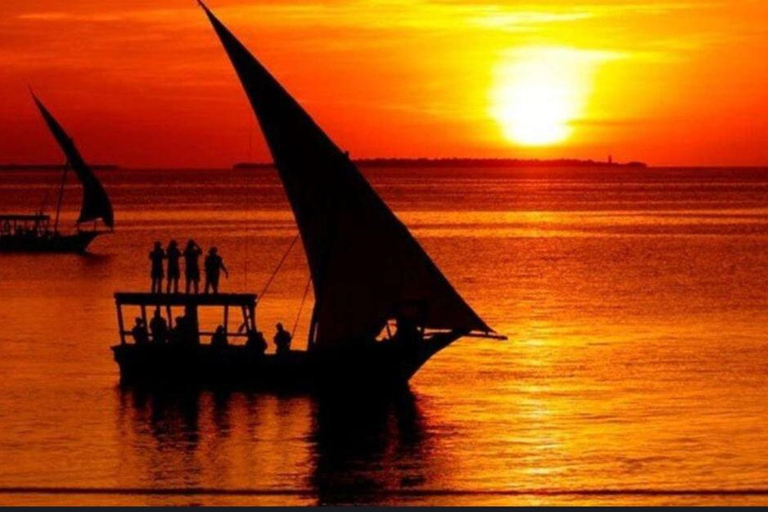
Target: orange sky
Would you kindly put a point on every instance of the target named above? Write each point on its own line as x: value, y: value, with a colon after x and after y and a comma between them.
x: 146, y: 83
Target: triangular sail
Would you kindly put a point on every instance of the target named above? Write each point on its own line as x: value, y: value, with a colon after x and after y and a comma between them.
x: 365, y: 264
x: 96, y: 203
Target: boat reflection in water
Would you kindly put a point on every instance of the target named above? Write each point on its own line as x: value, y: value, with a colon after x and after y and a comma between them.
x: 224, y: 447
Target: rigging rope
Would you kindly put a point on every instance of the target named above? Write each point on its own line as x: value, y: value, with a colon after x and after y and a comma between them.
x: 301, y: 306
x: 61, y: 196
x: 44, y: 203
x: 47, y: 197
x: 247, y: 212
x: 279, y: 265
x: 247, y: 252
x: 247, y: 244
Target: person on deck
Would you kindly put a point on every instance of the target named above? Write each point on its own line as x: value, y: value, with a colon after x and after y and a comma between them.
x: 214, y: 264
x: 256, y: 342
x: 173, y: 254
x: 159, y: 328
x: 156, y: 256
x: 176, y: 336
x: 139, y: 332
x: 183, y: 332
x: 282, y: 340
x: 219, y: 338
x: 192, y: 265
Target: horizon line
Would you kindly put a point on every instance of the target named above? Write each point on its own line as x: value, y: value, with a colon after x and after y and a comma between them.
x: 583, y: 163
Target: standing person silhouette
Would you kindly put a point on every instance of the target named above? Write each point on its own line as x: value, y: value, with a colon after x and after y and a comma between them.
x: 156, y: 256
x: 173, y: 254
x: 192, y: 265
x: 214, y: 264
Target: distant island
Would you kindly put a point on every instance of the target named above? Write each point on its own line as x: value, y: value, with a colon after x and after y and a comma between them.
x: 52, y: 167
x: 467, y: 162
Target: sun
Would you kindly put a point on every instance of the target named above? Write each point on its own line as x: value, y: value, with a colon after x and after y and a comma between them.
x: 539, y: 92
x: 535, y: 112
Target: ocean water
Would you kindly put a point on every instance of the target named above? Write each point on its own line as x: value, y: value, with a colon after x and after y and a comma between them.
x: 635, y: 302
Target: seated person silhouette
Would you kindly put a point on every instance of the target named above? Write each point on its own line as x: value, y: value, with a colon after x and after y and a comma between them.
x: 282, y: 340
x: 219, y: 338
x: 191, y: 329
x: 159, y: 328
x: 256, y: 342
x: 181, y: 333
x: 139, y: 332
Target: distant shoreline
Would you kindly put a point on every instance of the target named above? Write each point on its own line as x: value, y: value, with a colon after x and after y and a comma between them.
x: 52, y: 167
x: 410, y: 163
x: 467, y: 162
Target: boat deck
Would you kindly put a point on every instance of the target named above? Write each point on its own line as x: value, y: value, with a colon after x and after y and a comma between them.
x: 183, y: 359
x: 185, y: 299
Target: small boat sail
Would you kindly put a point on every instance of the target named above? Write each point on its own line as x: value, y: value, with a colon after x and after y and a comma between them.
x: 34, y: 233
x: 382, y: 307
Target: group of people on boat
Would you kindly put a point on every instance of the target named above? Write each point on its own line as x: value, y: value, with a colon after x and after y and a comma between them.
x: 213, y: 267
x: 185, y: 333
x: 255, y: 340
x: 182, y: 333
x: 13, y: 226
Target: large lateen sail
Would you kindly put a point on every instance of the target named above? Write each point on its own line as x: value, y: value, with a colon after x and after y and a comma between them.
x: 365, y: 264
x: 96, y: 203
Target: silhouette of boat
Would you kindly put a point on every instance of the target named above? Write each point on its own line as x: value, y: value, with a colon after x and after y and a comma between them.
x: 189, y: 361
x: 34, y: 233
x: 382, y: 307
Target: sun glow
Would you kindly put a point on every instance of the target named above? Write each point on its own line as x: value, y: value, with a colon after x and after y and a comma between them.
x: 539, y: 92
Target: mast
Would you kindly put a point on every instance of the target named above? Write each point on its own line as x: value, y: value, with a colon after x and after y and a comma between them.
x: 61, y: 198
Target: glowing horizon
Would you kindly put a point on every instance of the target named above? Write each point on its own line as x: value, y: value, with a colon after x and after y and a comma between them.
x: 664, y: 82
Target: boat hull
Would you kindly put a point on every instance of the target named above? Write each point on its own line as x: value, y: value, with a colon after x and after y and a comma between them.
x: 378, y: 366
x: 75, y: 243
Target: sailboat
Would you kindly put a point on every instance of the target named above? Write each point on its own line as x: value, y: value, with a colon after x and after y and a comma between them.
x: 34, y: 233
x: 382, y: 307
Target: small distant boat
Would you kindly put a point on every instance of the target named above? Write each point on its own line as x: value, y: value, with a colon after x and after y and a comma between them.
x: 34, y: 233
x: 382, y: 307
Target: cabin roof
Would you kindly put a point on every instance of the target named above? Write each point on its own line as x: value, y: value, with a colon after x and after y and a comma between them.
x: 184, y: 299
x: 24, y: 217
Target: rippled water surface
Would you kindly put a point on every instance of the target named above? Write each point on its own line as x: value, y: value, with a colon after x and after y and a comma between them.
x: 636, y: 307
